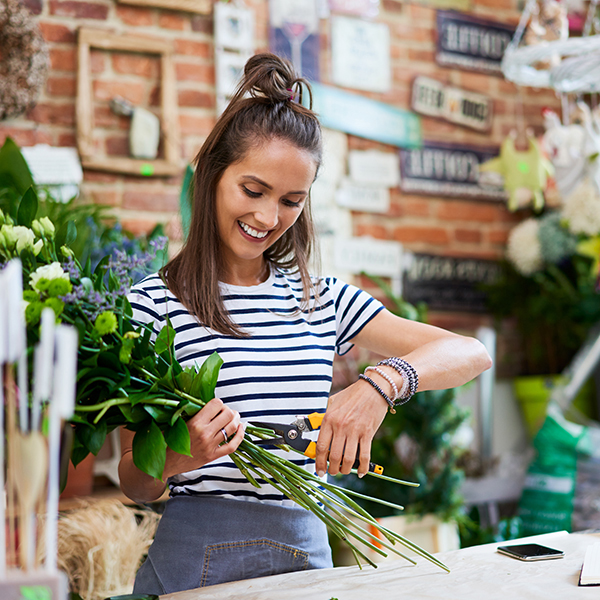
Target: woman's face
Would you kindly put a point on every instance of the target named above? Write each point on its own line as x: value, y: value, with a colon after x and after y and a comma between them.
x: 258, y: 200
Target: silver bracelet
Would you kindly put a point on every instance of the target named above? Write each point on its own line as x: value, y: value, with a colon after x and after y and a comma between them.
x: 388, y: 379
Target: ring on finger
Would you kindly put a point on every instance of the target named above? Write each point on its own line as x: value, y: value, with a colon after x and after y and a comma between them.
x: 225, y: 436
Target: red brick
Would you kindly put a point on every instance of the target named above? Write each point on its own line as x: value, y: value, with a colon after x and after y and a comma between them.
x: 136, y: 64
x: 407, y: 31
x: 99, y: 176
x: 392, y: 6
x: 63, y: 59
x: 105, y: 118
x: 477, y: 82
x: 498, y: 236
x: 109, y: 197
x: 138, y: 226
x: 78, y: 10
x: 67, y: 140
x: 117, y: 146
x: 202, y: 24
x: 378, y: 232
x: 55, y: 114
x: 507, y: 87
x: 471, y: 236
x: 416, y: 207
x: 432, y: 126
x: 195, y: 72
x: 171, y: 20
x: 53, y: 32
x: 196, y: 99
x: 194, y: 48
x: 191, y: 125
x: 428, y: 235
x: 25, y: 137
x: 397, y: 51
x: 132, y: 91
x: 151, y: 200
x: 61, y: 86
x: 135, y: 15
x: 427, y: 56
x: 461, y: 210
x: 497, y: 4
x: 422, y: 12
x: 154, y: 98
x: 33, y: 6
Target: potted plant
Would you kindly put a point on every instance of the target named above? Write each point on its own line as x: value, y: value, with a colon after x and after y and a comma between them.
x: 548, y: 289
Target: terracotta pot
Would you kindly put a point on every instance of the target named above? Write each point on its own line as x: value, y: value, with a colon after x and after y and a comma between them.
x: 80, y: 479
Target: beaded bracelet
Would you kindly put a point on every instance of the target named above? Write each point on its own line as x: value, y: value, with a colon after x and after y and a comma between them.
x: 409, y: 375
x: 389, y: 401
x: 388, y: 379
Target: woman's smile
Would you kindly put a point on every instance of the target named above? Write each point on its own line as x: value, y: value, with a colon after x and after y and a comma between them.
x: 253, y: 233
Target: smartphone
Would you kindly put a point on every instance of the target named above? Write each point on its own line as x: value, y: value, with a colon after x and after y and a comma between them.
x: 530, y: 552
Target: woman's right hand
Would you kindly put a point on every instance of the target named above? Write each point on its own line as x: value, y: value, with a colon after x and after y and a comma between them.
x: 207, y: 440
x: 207, y: 444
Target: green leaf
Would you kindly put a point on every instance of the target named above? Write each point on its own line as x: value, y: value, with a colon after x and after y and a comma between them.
x: 71, y: 235
x: 93, y: 436
x: 149, y: 450
x: 133, y: 414
x: 160, y: 414
x: 27, y: 208
x: 209, y: 375
x: 178, y: 437
x: 165, y: 339
x: 184, y: 380
x: 14, y: 169
x: 98, y: 276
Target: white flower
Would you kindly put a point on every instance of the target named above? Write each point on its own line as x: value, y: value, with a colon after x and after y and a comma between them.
x: 582, y: 209
x: 18, y: 237
x: 48, y: 272
x: 43, y: 227
x: 523, y: 248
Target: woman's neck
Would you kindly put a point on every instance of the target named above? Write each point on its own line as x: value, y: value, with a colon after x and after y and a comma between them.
x: 245, y: 277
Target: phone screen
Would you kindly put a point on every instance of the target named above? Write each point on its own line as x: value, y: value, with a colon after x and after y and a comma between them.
x: 530, y: 552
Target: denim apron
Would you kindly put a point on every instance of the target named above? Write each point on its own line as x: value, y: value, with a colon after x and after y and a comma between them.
x: 202, y: 541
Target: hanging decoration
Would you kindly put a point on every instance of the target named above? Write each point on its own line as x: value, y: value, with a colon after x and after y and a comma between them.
x: 23, y: 59
x: 525, y: 172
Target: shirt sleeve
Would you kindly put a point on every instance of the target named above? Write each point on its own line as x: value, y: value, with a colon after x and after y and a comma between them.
x: 354, y: 308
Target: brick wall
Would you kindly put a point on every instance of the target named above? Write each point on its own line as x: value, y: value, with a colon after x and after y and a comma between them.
x: 422, y: 224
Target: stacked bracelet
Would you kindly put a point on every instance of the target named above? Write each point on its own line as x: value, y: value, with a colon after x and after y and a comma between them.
x: 388, y: 379
x: 381, y: 392
x: 409, y: 376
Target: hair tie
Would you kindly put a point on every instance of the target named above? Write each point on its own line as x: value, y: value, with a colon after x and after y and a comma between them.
x: 291, y: 98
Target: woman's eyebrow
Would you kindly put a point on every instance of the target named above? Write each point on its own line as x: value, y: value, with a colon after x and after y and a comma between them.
x: 269, y: 187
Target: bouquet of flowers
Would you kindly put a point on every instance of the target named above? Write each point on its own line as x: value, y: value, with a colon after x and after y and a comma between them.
x: 126, y: 380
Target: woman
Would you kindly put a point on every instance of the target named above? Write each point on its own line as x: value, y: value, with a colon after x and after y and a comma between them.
x: 240, y: 286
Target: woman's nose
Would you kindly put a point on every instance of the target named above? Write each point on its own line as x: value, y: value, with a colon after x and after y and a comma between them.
x: 268, y: 214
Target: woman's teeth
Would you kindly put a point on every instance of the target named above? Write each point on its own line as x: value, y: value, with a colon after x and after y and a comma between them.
x: 252, y: 232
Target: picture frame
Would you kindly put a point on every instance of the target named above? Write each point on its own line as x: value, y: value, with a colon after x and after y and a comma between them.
x: 169, y: 119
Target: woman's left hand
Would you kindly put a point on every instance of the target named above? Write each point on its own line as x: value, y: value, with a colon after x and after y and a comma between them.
x: 352, y: 418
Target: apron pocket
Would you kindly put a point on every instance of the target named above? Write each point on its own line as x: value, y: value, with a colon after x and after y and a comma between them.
x: 233, y: 561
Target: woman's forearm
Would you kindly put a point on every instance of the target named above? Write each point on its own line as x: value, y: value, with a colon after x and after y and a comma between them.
x: 137, y: 485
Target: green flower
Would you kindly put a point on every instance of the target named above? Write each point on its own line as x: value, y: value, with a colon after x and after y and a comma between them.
x: 66, y: 251
x: 56, y: 305
x: 59, y: 287
x: 42, y: 284
x: 106, y: 323
x: 30, y: 296
x: 43, y: 227
x: 33, y: 312
x: 49, y: 273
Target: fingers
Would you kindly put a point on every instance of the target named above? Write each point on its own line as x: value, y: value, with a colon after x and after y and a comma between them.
x: 233, y: 444
x: 364, y: 457
x: 323, y: 444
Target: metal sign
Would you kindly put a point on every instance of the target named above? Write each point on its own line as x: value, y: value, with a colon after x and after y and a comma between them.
x: 366, y: 118
x: 432, y: 98
x: 471, y: 43
x: 448, y: 283
x: 439, y: 169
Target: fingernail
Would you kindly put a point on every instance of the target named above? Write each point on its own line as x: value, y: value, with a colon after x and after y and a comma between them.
x: 361, y: 475
x: 321, y: 473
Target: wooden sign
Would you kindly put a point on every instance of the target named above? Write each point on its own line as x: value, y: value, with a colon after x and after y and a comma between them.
x: 471, y: 43
x: 432, y: 98
x: 366, y: 118
x: 440, y: 169
x: 448, y: 283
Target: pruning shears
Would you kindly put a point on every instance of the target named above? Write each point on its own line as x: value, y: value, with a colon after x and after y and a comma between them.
x: 292, y: 436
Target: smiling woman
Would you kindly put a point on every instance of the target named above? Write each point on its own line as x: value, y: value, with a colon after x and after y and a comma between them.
x: 241, y: 287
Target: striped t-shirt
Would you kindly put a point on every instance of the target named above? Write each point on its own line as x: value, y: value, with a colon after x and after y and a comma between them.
x: 282, y: 370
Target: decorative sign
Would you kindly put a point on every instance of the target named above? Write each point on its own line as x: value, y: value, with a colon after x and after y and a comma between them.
x: 366, y: 118
x: 439, y: 169
x: 432, y: 98
x: 368, y: 255
x: 372, y: 167
x: 294, y: 34
x: 471, y: 43
x: 448, y: 283
x: 360, y: 8
x: 365, y: 198
x: 360, y: 54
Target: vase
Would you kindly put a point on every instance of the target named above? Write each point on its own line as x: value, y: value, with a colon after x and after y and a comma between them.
x: 533, y: 394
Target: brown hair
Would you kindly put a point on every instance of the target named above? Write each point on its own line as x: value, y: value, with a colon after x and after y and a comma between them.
x: 262, y: 109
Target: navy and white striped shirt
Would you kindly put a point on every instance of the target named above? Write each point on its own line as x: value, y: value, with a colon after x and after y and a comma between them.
x: 282, y: 370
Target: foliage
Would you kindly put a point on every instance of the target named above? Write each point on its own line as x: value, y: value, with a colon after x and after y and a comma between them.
x: 124, y: 379
x: 553, y: 297
x: 418, y: 444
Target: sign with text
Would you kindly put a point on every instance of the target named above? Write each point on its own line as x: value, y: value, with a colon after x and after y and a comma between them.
x: 365, y: 198
x: 366, y: 118
x: 471, y: 43
x: 432, y: 98
x: 448, y: 283
x: 440, y: 169
x: 360, y: 8
x: 365, y: 254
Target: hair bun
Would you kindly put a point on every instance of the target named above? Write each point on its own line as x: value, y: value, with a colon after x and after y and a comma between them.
x: 269, y: 76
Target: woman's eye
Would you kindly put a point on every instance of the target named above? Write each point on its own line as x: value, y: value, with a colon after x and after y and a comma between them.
x: 291, y: 203
x: 250, y: 193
